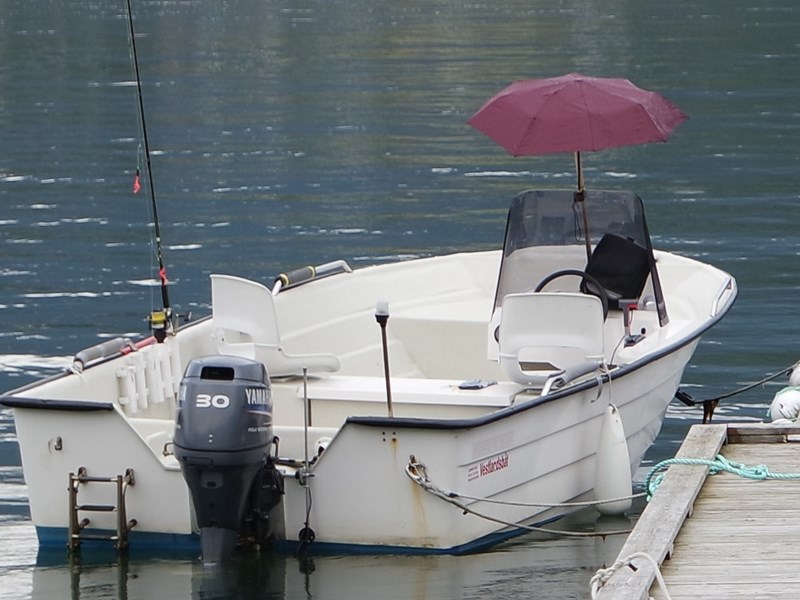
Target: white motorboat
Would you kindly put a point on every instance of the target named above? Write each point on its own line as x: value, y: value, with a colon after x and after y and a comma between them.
x: 481, y: 413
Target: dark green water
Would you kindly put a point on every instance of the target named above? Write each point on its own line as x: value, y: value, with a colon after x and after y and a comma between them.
x: 288, y: 133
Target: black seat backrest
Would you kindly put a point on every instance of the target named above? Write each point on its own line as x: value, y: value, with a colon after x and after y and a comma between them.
x: 621, y: 266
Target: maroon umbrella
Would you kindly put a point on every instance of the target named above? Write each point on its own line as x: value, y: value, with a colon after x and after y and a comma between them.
x: 575, y: 113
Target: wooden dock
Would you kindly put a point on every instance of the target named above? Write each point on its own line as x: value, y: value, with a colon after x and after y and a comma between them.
x: 720, y: 536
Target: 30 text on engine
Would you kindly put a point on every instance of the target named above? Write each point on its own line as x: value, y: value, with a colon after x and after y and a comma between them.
x: 212, y: 401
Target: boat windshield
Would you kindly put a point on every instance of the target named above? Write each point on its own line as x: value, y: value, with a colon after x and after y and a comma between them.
x: 545, y: 234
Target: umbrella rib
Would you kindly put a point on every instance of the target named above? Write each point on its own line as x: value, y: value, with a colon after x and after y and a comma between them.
x: 586, y: 111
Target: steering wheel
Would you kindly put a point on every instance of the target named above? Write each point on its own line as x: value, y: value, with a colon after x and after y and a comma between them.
x: 601, y: 292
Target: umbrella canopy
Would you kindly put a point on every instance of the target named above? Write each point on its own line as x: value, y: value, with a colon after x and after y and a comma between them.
x: 575, y: 113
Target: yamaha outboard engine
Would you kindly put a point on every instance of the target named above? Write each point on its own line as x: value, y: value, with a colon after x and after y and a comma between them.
x: 223, y: 439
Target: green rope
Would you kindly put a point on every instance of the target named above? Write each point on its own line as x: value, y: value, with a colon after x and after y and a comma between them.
x: 654, y: 479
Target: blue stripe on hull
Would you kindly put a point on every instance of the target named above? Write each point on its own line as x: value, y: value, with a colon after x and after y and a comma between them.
x: 52, y: 538
x: 56, y: 537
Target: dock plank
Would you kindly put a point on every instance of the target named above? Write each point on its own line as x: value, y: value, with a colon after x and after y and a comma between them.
x: 740, y: 541
x: 657, y: 528
x: 736, y: 547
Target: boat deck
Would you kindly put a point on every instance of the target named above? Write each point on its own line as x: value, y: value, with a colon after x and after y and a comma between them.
x: 740, y: 539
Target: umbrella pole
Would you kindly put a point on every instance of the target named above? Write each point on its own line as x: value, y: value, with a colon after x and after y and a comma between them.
x: 580, y: 196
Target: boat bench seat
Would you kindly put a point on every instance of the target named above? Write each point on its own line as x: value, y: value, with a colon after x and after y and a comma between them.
x: 429, y: 336
x: 409, y: 391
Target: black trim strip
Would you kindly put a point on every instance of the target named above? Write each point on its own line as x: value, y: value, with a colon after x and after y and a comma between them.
x: 49, y: 404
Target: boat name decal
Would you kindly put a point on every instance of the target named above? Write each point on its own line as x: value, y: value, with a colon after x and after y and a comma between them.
x: 487, y: 467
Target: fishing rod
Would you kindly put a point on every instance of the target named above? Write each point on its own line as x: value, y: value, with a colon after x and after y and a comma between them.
x: 160, y: 320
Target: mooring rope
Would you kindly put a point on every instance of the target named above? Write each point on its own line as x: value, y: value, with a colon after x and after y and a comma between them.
x: 719, y: 464
x: 709, y: 404
x: 750, y: 386
x: 603, y: 575
x: 417, y: 472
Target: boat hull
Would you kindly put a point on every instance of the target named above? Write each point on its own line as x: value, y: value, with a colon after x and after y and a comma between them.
x: 533, y: 451
x: 498, y: 456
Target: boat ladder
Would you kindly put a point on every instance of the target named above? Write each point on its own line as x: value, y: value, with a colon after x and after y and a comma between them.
x: 77, y: 524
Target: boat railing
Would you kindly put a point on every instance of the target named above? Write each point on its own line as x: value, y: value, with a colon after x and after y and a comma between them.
x: 100, y: 351
x: 309, y: 273
x: 726, y: 288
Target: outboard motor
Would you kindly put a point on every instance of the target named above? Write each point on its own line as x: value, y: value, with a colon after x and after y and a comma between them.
x: 223, y: 438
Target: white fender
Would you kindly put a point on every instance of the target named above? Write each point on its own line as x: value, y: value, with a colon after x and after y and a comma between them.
x: 794, y: 376
x: 785, y: 404
x: 613, y: 468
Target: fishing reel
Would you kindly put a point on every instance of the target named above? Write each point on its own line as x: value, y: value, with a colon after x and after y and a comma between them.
x: 162, y: 323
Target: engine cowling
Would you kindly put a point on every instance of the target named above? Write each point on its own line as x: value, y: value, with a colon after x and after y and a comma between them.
x: 223, y: 439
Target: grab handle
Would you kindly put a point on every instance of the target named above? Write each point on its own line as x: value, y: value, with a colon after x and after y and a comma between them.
x: 305, y: 274
x: 727, y: 286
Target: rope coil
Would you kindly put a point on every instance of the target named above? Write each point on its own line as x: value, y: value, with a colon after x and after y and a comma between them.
x: 718, y: 465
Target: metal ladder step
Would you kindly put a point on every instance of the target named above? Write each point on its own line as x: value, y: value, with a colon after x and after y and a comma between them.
x: 96, y: 507
x: 95, y: 536
x: 87, y: 479
x: 77, y: 525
